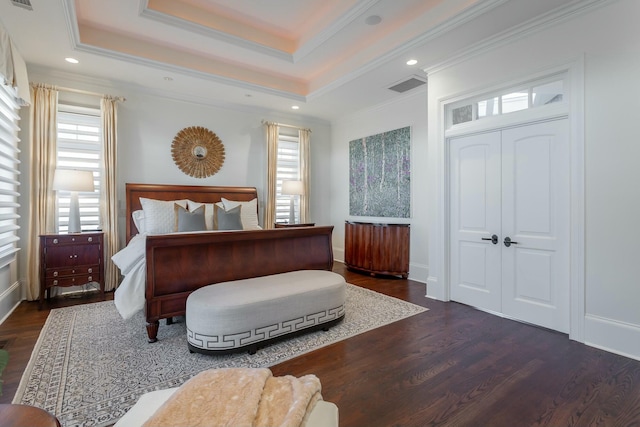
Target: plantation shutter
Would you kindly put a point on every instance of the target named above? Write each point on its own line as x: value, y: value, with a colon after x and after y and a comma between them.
x: 79, y: 147
x: 288, y: 168
x: 9, y: 173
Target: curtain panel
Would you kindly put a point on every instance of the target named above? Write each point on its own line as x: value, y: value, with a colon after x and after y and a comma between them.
x: 273, y: 131
x: 304, y: 136
x: 109, y: 197
x: 42, y: 138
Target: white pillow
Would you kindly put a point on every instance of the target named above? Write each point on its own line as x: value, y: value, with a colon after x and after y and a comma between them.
x: 159, y: 215
x: 208, y: 211
x: 138, y: 220
x: 248, y: 212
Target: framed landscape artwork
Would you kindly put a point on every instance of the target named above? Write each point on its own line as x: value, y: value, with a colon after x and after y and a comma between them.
x: 379, y: 175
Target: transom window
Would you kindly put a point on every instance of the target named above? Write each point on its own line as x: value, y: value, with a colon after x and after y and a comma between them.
x: 536, y: 94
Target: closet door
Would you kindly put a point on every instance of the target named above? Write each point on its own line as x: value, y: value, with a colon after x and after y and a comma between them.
x: 535, y: 216
x: 475, y: 217
x: 509, y: 216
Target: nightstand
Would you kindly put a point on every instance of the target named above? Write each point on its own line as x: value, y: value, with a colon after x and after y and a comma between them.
x: 286, y: 225
x: 70, y: 260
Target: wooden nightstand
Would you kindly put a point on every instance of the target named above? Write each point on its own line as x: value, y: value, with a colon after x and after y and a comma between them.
x: 286, y: 225
x: 70, y: 260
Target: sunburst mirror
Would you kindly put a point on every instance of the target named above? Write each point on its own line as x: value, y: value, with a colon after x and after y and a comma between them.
x: 197, y: 151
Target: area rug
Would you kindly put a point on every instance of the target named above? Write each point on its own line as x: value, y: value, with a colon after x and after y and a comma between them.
x: 89, y: 365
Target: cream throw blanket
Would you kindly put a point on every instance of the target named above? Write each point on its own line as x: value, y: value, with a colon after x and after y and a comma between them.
x: 239, y: 397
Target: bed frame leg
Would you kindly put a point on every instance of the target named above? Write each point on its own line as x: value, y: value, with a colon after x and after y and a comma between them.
x: 152, y: 330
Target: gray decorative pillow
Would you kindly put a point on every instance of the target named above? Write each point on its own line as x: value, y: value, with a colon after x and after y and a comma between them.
x: 189, y: 221
x: 226, y: 220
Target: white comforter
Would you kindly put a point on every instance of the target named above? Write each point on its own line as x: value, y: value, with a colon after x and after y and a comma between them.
x: 129, y: 296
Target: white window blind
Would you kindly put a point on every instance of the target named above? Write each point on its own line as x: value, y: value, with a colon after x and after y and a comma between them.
x: 79, y: 147
x: 9, y: 182
x: 288, y: 168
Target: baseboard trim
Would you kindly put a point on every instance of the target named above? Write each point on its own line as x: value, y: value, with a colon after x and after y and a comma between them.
x: 8, y: 299
x: 613, y: 336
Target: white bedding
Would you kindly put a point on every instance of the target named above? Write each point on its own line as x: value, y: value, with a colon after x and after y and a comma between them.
x: 129, y: 296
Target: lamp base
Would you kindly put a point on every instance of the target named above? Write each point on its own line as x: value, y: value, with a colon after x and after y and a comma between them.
x: 292, y: 211
x: 74, y: 214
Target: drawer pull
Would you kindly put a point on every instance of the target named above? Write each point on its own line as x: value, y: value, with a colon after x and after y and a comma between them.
x: 73, y: 239
x: 55, y: 274
x: 55, y: 283
x: 90, y: 279
x: 73, y: 272
x: 90, y: 270
x: 90, y: 239
x: 55, y: 241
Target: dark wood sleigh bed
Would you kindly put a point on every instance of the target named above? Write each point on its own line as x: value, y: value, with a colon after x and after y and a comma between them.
x: 178, y: 264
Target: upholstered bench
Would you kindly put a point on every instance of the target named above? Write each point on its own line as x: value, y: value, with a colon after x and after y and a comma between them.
x: 243, y: 314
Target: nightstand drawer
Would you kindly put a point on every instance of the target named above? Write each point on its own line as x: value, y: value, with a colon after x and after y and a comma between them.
x: 53, y: 273
x: 72, y: 280
x: 70, y: 239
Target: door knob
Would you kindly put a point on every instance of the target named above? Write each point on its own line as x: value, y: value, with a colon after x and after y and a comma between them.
x: 508, y: 242
x: 494, y: 239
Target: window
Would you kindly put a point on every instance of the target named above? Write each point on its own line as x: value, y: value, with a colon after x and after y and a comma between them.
x: 288, y: 169
x: 536, y: 94
x: 8, y: 175
x: 79, y: 147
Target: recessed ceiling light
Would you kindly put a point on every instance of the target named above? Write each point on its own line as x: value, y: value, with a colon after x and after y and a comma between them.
x: 412, y: 62
x: 373, y: 20
x: 71, y: 60
x: 294, y: 107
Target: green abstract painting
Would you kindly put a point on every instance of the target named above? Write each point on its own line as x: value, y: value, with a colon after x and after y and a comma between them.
x: 379, y: 175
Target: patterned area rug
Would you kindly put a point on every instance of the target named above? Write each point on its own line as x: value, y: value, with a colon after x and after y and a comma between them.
x: 89, y: 365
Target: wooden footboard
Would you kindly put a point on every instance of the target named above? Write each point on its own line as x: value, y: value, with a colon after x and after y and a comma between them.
x: 178, y: 264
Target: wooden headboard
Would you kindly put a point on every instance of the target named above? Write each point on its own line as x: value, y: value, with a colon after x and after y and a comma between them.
x: 197, y: 193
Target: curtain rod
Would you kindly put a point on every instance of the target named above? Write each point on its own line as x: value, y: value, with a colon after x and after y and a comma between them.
x: 83, y: 92
x: 264, y: 122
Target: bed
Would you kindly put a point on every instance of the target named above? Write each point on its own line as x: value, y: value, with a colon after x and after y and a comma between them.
x: 176, y: 264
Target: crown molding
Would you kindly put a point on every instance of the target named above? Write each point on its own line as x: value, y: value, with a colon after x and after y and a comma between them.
x: 126, y: 89
x: 329, y: 32
x: 450, y: 24
x: 557, y: 16
x: 213, y: 33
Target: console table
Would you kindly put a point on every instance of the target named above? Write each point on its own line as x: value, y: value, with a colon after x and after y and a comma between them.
x: 377, y: 248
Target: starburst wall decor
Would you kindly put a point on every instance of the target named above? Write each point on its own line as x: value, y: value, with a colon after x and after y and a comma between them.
x: 197, y: 151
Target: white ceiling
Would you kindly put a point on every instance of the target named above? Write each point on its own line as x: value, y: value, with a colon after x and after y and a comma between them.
x: 321, y: 55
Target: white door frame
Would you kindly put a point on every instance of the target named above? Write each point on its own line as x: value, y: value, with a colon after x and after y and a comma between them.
x: 438, y: 283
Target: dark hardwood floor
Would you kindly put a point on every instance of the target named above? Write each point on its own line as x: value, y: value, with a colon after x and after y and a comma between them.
x: 452, y: 365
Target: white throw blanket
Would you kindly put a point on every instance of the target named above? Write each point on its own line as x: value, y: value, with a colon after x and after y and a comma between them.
x: 239, y: 397
x: 129, y: 296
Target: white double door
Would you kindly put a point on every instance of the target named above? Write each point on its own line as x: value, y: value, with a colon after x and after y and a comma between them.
x: 509, y: 215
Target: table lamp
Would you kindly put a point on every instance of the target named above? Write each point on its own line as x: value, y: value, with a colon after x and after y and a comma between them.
x: 293, y: 189
x: 73, y: 180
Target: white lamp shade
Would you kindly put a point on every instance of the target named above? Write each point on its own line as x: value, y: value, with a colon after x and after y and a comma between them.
x: 292, y: 188
x: 73, y: 180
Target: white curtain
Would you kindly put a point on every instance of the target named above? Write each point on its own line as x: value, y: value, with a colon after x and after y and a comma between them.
x: 43, y: 136
x: 272, y: 166
x: 109, y: 197
x: 304, y: 136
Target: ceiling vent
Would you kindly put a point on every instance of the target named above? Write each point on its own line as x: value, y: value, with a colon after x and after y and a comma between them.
x: 25, y: 4
x: 405, y: 85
